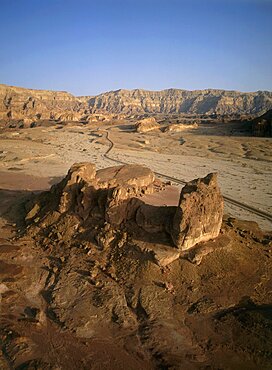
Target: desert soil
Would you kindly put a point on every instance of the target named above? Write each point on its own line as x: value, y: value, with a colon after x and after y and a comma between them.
x: 72, y: 306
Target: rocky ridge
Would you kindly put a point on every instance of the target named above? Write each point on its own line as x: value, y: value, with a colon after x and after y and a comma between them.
x: 19, y: 103
x: 29, y: 106
x: 174, y: 101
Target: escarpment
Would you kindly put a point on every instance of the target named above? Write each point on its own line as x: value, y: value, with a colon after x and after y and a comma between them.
x: 19, y: 103
x: 174, y: 101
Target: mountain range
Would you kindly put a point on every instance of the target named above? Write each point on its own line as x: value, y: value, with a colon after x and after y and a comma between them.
x: 18, y: 103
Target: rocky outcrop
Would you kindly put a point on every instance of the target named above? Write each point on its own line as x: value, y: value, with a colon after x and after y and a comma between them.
x: 182, y: 101
x: 199, y: 214
x: 82, y: 295
x: 69, y: 116
x: 146, y: 124
x: 262, y: 126
x: 99, y: 203
x: 108, y: 195
x: 180, y: 127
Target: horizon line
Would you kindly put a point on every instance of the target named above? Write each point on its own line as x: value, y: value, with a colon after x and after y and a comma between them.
x: 135, y: 89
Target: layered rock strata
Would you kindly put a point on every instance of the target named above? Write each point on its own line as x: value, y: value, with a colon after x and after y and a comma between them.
x: 173, y: 101
x: 18, y: 103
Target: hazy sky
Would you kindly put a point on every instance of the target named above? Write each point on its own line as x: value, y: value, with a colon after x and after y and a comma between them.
x: 91, y: 46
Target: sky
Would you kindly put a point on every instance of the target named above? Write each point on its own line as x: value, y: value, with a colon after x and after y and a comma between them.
x: 91, y: 46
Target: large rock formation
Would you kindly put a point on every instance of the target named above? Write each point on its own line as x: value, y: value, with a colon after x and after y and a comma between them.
x: 120, y: 198
x: 79, y: 293
x: 199, y: 214
x: 182, y: 101
x: 19, y: 103
x: 107, y: 195
x: 146, y: 124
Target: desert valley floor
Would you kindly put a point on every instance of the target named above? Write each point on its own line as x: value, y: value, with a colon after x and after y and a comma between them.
x: 38, y: 157
x: 104, y: 302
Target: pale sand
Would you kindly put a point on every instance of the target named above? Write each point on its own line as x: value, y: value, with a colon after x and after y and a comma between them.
x: 244, y: 164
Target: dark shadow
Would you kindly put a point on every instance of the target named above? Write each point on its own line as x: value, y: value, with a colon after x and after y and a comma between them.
x: 55, y: 180
x: 237, y: 128
x: 126, y: 128
x: 12, y: 204
x: 246, y: 305
x: 146, y: 222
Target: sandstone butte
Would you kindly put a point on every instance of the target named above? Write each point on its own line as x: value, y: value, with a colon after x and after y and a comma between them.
x: 87, y: 199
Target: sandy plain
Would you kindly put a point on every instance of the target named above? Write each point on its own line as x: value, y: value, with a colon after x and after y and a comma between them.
x: 36, y: 158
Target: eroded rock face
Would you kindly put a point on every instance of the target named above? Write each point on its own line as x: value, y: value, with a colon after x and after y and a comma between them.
x: 170, y: 101
x: 146, y: 124
x: 99, y: 205
x: 21, y: 103
x: 108, y: 194
x: 18, y: 103
x: 199, y: 214
x: 79, y: 177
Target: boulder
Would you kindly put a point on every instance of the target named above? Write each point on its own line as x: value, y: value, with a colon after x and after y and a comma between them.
x: 199, y: 214
x: 146, y: 124
x: 180, y: 127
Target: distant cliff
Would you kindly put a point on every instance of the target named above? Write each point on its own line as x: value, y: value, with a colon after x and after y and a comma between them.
x: 182, y: 101
x: 19, y: 103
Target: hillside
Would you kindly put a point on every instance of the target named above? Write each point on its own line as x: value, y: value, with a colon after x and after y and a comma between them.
x: 18, y: 103
x: 182, y: 101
